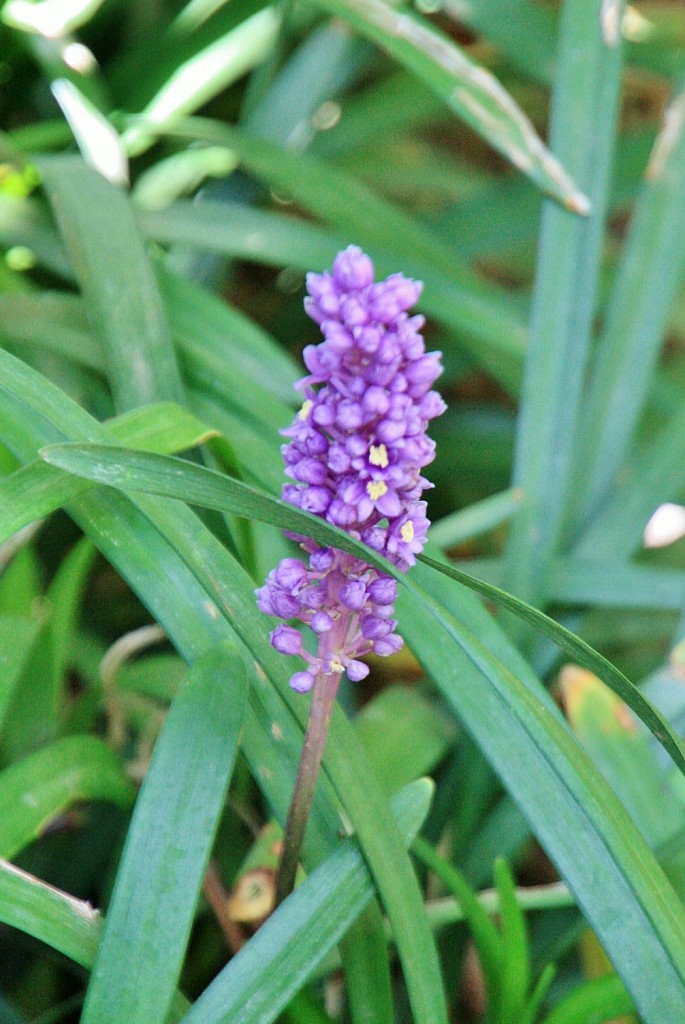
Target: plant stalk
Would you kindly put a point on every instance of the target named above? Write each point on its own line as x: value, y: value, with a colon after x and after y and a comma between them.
x: 320, y: 711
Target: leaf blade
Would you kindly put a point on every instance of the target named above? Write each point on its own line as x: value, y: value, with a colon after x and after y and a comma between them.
x: 168, y: 846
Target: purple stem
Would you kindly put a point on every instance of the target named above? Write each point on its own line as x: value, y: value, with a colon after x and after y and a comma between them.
x: 323, y: 698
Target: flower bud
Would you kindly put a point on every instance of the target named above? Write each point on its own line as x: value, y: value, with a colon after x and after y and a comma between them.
x: 286, y: 640
x: 302, y: 682
x: 356, y: 671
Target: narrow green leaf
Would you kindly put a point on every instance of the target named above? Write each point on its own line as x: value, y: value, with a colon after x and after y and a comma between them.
x: 180, y: 175
x: 172, y: 478
x: 207, y: 73
x: 509, y: 715
x: 168, y: 846
x: 364, y: 954
x: 49, y: 17
x: 33, y: 716
x: 580, y: 652
x: 97, y: 140
x: 30, y: 492
x: 54, y: 319
x: 61, y: 921
x: 117, y: 281
x: 469, y: 90
x: 17, y: 637
x: 602, y: 999
x: 563, y: 798
x: 491, y: 951
x: 654, y: 474
x: 65, y: 595
x: 483, y: 315
x: 606, y: 582
x: 598, y: 582
x: 515, y: 976
x: 293, y: 942
x: 146, y: 549
x: 404, y: 735
x: 475, y: 520
x: 649, y: 274
x: 454, y: 294
x: 537, y: 996
x: 623, y: 753
x: 524, y: 30
x: 198, y: 318
x: 34, y: 790
x: 583, y: 128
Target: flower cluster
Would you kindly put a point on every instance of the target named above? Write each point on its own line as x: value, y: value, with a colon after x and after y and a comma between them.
x: 355, y: 453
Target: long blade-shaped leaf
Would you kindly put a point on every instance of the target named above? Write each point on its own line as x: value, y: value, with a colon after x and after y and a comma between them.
x: 107, y: 252
x: 170, y: 543
x: 470, y: 91
x: 168, y: 846
x: 585, y: 108
x: 649, y: 274
x: 303, y: 930
x: 551, y: 778
x: 524, y: 738
x: 173, y: 478
x: 35, y: 789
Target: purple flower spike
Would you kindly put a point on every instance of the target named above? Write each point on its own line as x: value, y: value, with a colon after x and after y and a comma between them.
x: 354, y: 457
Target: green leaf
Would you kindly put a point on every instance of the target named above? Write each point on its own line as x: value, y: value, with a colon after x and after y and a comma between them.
x: 580, y: 652
x: 261, y: 979
x: 544, y: 769
x: 36, y: 789
x: 203, y: 325
x: 30, y: 492
x: 491, y: 949
x: 585, y: 108
x: 524, y: 30
x: 508, y: 714
x: 168, y: 846
x: 169, y: 543
x: 602, y: 999
x: 404, y: 735
x: 475, y: 520
x: 17, y: 637
x: 109, y: 257
x: 208, y: 72
x: 97, y: 140
x: 170, y: 477
x: 65, y: 595
x: 623, y: 753
x: 64, y: 923
x: 515, y: 974
x: 469, y: 90
x: 364, y: 953
x: 453, y: 293
x: 61, y: 921
x: 649, y: 275
x: 32, y: 718
x: 654, y: 474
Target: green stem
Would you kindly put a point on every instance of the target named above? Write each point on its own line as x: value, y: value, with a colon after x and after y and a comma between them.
x: 320, y: 711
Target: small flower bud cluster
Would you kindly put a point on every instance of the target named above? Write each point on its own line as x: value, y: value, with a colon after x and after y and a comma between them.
x: 345, y: 602
x: 355, y: 454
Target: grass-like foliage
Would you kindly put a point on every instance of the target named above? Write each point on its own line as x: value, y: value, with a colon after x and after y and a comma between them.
x: 497, y: 827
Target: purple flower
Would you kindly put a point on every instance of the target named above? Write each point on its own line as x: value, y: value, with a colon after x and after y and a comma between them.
x: 354, y: 453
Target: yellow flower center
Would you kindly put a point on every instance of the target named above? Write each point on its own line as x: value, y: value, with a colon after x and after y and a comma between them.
x: 336, y: 664
x: 376, y: 489
x: 304, y: 412
x: 378, y: 455
x: 407, y: 531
